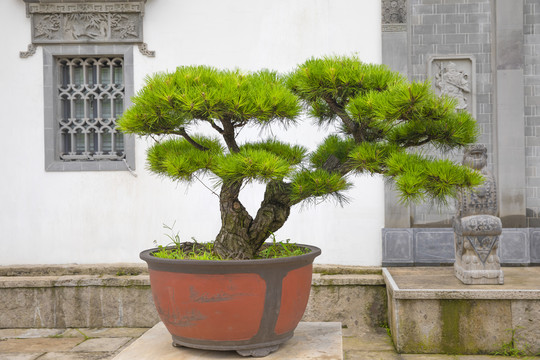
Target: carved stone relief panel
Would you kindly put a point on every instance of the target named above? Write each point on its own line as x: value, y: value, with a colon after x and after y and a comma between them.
x: 100, y: 22
x: 454, y: 76
x: 394, y: 15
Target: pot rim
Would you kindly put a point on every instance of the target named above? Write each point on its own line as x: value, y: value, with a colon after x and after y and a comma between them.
x: 315, y: 251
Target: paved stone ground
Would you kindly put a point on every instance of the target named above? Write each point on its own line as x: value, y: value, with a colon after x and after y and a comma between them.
x: 104, y: 344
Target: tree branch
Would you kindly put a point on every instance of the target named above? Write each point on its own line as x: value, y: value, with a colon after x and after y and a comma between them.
x: 349, y: 123
x: 215, y: 126
x: 182, y: 132
x: 229, y: 136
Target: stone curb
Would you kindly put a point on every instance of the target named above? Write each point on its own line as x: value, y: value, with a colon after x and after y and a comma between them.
x: 9, y: 282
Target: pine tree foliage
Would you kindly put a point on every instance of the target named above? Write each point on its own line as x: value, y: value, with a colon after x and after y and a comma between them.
x: 171, y: 106
x: 380, y: 116
x: 388, y: 119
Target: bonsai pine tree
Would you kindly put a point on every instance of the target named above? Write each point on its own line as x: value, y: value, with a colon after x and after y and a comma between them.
x: 380, y: 116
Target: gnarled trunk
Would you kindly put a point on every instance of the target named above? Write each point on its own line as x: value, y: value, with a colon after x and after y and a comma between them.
x: 233, y: 240
x: 241, y: 236
x: 274, y: 211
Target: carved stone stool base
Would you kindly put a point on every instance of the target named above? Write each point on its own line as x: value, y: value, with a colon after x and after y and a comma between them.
x: 479, y: 277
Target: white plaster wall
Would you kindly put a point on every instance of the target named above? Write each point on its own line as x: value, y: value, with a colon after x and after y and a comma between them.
x: 94, y: 217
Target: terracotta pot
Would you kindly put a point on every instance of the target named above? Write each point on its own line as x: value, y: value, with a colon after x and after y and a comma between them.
x: 250, y: 306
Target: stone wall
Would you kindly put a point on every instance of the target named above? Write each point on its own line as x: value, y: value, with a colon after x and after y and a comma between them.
x: 531, y: 55
x: 496, y: 47
x: 501, y: 40
x: 458, y: 32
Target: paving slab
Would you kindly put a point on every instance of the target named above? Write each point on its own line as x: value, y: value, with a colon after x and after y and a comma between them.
x: 37, y: 345
x: 311, y: 341
x: 77, y: 356
x: 368, y: 342
x: 28, y: 333
x: 104, y: 332
x: 18, y: 356
x: 370, y: 355
x: 102, y: 344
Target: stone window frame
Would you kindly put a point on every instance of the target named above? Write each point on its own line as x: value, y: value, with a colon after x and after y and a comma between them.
x: 52, y: 135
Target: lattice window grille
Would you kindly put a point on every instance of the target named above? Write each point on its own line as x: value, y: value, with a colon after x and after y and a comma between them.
x: 90, y: 99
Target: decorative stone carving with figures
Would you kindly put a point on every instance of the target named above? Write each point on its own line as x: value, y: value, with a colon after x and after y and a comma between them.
x: 476, y: 226
x: 96, y: 21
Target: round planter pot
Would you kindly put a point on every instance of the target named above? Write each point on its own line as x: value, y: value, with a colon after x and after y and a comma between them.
x: 250, y: 306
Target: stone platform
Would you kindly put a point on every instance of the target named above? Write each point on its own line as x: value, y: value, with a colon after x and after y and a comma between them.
x: 431, y: 311
x: 315, y: 340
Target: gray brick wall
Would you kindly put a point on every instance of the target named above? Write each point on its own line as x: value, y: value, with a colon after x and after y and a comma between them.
x: 446, y: 28
x: 531, y: 57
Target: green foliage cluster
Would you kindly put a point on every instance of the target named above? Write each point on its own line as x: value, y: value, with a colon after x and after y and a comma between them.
x: 173, y: 103
x: 376, y: 122
x: 384, y: 120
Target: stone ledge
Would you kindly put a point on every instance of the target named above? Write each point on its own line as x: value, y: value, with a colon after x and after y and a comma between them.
x: 73, y: 281
x: 346, y: 280
x: 114, y: 275
x: 123, y: 269
x: 7, y: 282
x: 74, y: 269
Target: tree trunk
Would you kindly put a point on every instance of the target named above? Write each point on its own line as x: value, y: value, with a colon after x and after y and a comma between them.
x: 241, y: 236
x: 233, y: 240
x: 274, y: 211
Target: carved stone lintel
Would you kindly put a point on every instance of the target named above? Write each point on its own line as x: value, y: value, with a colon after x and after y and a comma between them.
x: 97, y: 21
x: 96, y: 6
x: 143, y: 48
x: 31, y: 51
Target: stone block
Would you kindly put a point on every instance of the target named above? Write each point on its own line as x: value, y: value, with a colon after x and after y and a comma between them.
x: 455, y: 39
x: 446, y: 49
x: 418, y: 326
x: 398, y: 247
x: 433, y: 246
x: 514, y: 247
x: 27, y: 308
x: 356, y: 307
x: 446, y: 29
x: 534, y: 236
x: 526, y: 323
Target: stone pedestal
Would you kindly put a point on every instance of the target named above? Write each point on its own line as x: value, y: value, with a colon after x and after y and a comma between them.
x: 476, y: 241
x: 476, y: 226
x: 311, y: 341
